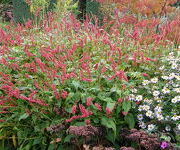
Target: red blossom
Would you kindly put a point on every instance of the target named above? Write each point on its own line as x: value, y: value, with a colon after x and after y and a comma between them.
x: 120, y: 100
x: 73, y: 109
x: 108, y: 111
x: 89, y: 101
x: 98, y: 106
x: 124, y: 113
x: 64, y: 94
x: 145, y: 74
x: 87, y: 122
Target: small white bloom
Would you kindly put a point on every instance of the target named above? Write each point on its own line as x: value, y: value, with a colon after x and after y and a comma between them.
x: 131, y: 97
x: 177, y: 77
x: 140, y: 108
x: 149, y: 101
x: 154, y: 87
x: 177, y: 90
x: 145, y: 82
x: 178, y: 127
x: 165, y: 77
x: 156, y: 93
x: 175, y: 117
x: 168, y: 128
x: 158, y: 109
x: 171, y: 54
x: 146, y: 107
x: 174, y: 100
x: 159, y: 100
x: 142, y: 125
x: 151, y: 127
x: 149, y: 113
x: 161, y: 68
x: 165, y: 90
x: 154, y: 80
x: 160, y: 117
x: 174, y: 66
x: 172, y: 76
x: 139, y: 98
x: 140, y: 117
x: 134, y: 90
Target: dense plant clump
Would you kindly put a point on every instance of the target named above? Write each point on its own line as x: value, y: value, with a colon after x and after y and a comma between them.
x: 67, y: 84
x: 158, y: 100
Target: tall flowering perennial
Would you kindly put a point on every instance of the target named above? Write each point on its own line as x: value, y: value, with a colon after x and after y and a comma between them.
x: 159, y: 97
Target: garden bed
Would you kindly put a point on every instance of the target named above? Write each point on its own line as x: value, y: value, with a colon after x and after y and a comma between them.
x: 68, y: 84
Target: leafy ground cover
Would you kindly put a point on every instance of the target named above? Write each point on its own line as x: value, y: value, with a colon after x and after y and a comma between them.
x: 66, y: 84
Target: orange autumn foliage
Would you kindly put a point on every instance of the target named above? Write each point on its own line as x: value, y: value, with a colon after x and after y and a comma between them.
x: 144, y: 7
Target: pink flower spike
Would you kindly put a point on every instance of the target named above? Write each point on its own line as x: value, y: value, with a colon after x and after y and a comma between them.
x: 87, y: 122
x: 98, y: 106
x: 120, y: 100
x: 108, y: 111
x: 64, y: 94
x: 73, y: 109
x: 89, y: 101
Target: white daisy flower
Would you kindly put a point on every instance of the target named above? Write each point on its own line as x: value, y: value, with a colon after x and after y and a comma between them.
x: 154, y: 80
x: 134, y: 90
x: 168, y: 128
x: 158, y: 109
x: 142, y: 125
x: 131, y: 97
x: 172, y: 76
x: 151, y: 127
x: 175, y: 117
x: 160, y: 117
x: 177, y: 77
x: 149, y: 113
x: 161, y: 68
x: 140, y: 117
x: 146, y: 107
x: 178, y: 127
x: 145, y: 82
x: 177, y: 90
x: 140, y: 108
x: 149, y: 101
x: 174, y: 66
x: 165, y: 90
x: 159, y: 100
x: 139, y: 98
x: 156, y: 93
x: 165, y: 77
x: 174, y: 100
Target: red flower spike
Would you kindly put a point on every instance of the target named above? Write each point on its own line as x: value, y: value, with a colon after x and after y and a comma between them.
x: 108, y: 111
x: 64, y: 94
x: 89, y: 101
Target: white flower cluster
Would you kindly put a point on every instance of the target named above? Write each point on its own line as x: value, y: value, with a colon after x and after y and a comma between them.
x: 158, y: 98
